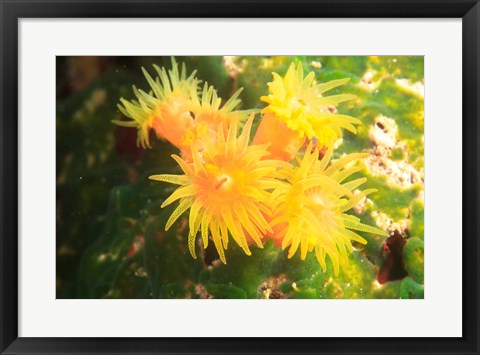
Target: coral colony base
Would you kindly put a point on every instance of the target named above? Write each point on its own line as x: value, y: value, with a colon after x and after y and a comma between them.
x: 280, y: 184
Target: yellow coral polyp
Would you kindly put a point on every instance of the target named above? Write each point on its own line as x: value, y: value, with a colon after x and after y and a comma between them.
x: 226, y: 189
x: 310, y: 208
x: 164, y: 108
x: 299, y: 102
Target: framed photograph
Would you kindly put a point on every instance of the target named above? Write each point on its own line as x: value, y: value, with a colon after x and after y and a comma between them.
x: 238, y: 177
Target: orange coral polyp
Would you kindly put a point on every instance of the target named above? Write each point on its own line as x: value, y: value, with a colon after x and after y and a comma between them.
x: 164, y: 109
x: 298, y: 101
x: 309, y: 210
x: 208, y: 108
x: 216, y: 118
x: 226, y: 188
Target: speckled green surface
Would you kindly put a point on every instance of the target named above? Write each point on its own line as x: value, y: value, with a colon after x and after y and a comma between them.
x: 111, y: 241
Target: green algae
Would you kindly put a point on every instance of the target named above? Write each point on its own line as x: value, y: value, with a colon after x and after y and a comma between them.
x: 390, y: 199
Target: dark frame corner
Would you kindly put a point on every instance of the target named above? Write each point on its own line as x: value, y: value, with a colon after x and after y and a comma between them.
x: 11, y: 11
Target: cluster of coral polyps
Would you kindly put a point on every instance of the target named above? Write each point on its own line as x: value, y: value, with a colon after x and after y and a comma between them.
x: 279, y: 185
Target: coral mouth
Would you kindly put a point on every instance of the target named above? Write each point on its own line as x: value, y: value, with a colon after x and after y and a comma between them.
x: 224, y: 181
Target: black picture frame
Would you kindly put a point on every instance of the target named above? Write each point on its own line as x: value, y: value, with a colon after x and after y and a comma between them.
x: 12, y: 11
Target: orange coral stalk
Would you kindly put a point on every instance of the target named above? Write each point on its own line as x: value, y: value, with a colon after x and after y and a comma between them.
x: 172, y: 121
x: 283, y: 142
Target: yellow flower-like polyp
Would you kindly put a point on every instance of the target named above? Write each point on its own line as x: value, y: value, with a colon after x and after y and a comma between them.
x: 226, y: 190
x: 310, y: 208
x: 164, y: 108
x: 299, y: 102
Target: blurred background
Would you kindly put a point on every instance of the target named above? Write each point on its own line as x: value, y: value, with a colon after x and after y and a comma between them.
x: 111, y: 241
